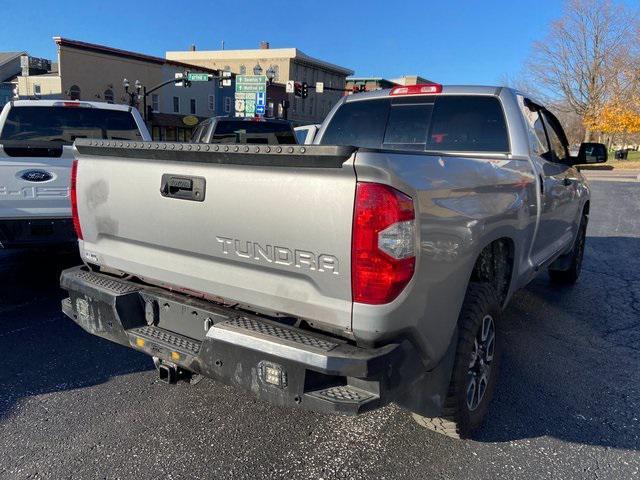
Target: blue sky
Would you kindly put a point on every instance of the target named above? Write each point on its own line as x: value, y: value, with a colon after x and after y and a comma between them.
x: 449, y: 41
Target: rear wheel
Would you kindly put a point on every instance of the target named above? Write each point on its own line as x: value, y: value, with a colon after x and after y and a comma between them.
x: 476, y: 366
x: 573, y: 258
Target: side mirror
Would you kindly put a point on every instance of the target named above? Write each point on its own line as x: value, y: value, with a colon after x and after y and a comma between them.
x: 591, y: 153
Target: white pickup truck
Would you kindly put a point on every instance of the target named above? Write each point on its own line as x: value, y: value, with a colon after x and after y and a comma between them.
x: 36, y: 138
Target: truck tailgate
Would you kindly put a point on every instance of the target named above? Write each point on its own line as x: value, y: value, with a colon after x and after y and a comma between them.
x: 35, y: 186
x: 270, y: 230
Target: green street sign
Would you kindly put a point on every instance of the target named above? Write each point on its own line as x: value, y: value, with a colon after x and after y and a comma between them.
x: 251, y: 83
x: 198, y: 77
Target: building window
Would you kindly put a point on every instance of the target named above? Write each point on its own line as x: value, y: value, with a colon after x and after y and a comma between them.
x: 74, y: 92
x: 108, y: 95
x: 227, y: 104
x: 276, y: 72
x: 211, y: 103
x: 192, y: 106
x: 176, y: 104
x: 155, y: 102
x: 36, y: 90
x: 243, y: 70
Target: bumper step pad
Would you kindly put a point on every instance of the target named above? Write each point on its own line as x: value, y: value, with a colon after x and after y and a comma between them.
x: 169, y: 340
x: 343, y: 394
x: 281, y: 333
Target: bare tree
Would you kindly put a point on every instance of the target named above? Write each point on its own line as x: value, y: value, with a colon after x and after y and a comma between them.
x: 579, y: 61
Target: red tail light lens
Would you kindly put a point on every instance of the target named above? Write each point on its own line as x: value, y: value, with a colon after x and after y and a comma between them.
x: 383, y: 244
x: 74, y: 200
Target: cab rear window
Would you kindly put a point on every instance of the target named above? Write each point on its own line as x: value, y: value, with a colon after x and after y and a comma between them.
x: 447, y: 123
x: 65, y: 124
x: 244, y: 131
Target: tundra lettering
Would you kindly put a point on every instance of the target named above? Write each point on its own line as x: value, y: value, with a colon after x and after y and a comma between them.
x: 279, y: 255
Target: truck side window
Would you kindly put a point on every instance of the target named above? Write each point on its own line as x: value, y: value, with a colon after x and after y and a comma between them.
x: 541, y: 145
x: 538, y: 142
x: 558, y: 149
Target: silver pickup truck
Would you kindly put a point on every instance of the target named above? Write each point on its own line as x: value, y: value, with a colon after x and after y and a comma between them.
x: 370, y: 267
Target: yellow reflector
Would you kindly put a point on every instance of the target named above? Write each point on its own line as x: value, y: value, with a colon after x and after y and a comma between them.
x: 175, y: 356
x: 140, y: 342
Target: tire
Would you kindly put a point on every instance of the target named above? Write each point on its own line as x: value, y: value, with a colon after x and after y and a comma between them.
x: 574, y: 258
x: 466, y: 406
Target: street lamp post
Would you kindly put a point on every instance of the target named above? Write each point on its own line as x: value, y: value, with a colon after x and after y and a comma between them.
x: 133, y: 94
x: 271, y: 74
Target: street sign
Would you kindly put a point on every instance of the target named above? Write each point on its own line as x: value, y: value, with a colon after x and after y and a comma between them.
x: 190, y: 120
x: 291, y: 86
x: 250, y: 107
x: 319, y: 87
x: 260, y: 109
x: 199, y: 77
x: 226, y: 74
x: 251, y: 83
x: 251, y: 90
x: 226, y: 82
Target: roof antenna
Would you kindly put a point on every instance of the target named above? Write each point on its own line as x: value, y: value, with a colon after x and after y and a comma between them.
x: 222, y: 44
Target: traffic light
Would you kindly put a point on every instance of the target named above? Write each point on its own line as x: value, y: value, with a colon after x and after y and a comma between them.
x: 297, y: 89
x: 305, y: 90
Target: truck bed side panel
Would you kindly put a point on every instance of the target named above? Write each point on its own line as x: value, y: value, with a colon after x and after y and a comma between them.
x: 463, y: 204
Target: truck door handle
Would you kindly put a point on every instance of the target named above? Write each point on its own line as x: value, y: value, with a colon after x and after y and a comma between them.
x: 182, y: 187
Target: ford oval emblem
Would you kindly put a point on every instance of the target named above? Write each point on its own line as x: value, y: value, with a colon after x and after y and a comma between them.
x: 36, y: 176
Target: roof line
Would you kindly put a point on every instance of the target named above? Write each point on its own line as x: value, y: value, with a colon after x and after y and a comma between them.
x: 94, y: 47
x: 292, y: 53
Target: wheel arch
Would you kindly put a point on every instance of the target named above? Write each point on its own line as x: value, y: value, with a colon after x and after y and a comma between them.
x: 495, y: 265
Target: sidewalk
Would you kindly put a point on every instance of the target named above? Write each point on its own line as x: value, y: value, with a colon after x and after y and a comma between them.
x: 613, y: 175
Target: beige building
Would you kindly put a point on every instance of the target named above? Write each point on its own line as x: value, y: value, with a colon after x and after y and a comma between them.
x: 410, y: 80
x: 92, y: 72
x: 288, y: 64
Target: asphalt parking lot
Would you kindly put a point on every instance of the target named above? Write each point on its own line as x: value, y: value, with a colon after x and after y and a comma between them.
x: 567, y: 406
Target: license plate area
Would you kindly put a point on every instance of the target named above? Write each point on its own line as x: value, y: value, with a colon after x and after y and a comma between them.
x: 189, y: 317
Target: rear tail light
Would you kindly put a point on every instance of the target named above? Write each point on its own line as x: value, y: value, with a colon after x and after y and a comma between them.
x: 74, y: 200
x: 383, y: 244
x: 73, y: 104
x: 420, y: 89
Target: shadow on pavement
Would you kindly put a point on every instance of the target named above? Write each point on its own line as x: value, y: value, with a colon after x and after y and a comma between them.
x: 571, y: 368
x: 43, y: 351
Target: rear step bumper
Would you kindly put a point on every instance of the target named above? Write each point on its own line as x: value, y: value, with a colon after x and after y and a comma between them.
x: 284, y: 365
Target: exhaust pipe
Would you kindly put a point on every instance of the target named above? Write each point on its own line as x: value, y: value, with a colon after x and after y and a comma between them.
x: 167, y: 373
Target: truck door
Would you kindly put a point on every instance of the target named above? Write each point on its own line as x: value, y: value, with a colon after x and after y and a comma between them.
x: 556, y: 184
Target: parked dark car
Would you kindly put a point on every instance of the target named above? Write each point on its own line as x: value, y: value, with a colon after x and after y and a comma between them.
x: 254, y: 130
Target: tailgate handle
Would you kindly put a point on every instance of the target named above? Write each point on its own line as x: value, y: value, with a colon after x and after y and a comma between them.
x: 182, y: 187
